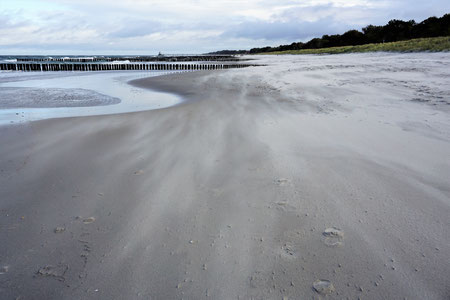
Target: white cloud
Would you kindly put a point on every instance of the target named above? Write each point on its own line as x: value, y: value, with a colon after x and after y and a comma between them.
x: 143, y: 26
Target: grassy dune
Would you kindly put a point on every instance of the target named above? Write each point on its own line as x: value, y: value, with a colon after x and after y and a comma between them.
x: 415, y: 45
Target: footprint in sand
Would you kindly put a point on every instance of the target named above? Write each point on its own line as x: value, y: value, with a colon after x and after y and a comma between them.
x: 258, y: 280
x: 89, y: 220
x: 333, y: 237
x: 287, y: 252
x: 56, y: 272
x: 282, y: 181
x: 59, y: 229
x: 4, y: 270
x: 284, y: 206
x: 323, y: 286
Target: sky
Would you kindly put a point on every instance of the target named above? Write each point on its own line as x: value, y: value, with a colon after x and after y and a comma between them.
x: 146, y: 27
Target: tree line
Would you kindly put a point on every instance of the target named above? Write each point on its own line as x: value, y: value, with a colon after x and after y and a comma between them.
x: 393, y: 31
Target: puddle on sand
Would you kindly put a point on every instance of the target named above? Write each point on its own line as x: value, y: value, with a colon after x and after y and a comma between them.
x: 112, y: 84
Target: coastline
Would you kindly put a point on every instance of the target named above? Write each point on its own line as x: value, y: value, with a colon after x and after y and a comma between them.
x: 230, y: 194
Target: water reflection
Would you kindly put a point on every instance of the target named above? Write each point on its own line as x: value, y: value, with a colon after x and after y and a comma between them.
x: 113, y: 84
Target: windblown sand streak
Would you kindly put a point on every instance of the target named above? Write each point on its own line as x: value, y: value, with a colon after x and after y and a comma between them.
x: 313, y: 176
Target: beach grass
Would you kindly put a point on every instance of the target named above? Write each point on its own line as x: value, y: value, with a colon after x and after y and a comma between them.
x: 435, y: 44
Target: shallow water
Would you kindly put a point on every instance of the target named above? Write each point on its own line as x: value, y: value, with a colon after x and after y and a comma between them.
x: 113, y: 84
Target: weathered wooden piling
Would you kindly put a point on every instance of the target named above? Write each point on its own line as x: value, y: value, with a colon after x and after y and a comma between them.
x: 90, y: 67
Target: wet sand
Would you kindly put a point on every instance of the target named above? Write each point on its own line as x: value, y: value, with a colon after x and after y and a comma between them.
x: 23, y: 97
x: 312, y: 177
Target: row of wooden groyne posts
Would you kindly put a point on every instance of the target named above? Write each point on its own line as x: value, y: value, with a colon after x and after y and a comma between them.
x: 42, y: 67
x: 158, y: 58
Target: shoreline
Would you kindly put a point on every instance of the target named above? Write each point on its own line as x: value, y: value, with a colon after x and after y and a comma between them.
x: 30, y: 98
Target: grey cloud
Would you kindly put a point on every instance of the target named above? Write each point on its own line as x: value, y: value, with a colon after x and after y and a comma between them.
x: 291, y: 24
x: 136, y: 29
x: 282, y: 30
x: 8, y: 21
x: 417, y: 10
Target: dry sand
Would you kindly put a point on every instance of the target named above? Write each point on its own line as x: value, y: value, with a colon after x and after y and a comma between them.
x: 311, y: 177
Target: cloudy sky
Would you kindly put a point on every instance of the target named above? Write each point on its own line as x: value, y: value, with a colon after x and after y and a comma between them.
x: 188, y: 26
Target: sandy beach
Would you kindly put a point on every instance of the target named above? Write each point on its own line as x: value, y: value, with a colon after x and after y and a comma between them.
x: 311, y: 177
